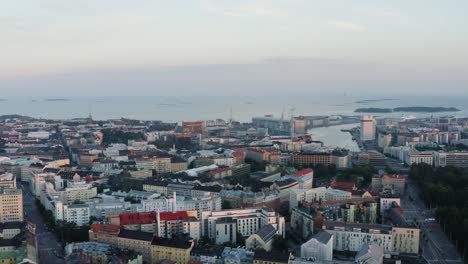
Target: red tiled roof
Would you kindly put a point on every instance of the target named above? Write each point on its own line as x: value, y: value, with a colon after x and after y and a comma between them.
x: 166, y: 216
x: 105, y: 228
x: 219, y: 170
x: 137, y: 218
x: 303, y: 172
x: 344, y: 186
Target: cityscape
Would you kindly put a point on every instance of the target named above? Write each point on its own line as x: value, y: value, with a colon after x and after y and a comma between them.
x: 233, y: 132
x: 221, y: 191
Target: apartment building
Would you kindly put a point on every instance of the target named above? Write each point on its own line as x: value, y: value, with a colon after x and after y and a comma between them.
x: 176, y: 250
x: 247, y: 221
x: 11, y: 205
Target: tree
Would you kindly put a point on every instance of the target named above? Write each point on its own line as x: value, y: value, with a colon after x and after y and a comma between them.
x: 280, y: 244
x: 240, y: 240
x: 226, y: 205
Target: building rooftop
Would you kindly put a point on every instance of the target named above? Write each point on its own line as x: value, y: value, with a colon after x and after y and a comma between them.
x: 166, y: 216
x: 137, y: 218
x: 323, y: 237
x: 272, y: 256
x: 266, y: 232
x: 10, y: 191
x: 136, y: 235
x: 173, y: 243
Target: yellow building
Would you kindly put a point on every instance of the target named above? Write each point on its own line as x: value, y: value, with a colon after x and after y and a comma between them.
x: 11, y: 205
x: 171, y: 249
x: 178, y: 166
x: 405, y: 240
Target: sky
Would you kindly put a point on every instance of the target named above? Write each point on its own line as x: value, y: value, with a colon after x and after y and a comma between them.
x: 233, y: 47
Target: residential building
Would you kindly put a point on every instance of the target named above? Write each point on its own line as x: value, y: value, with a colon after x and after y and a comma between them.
x: 7, y: 180
x: 174, y: 249
x: 394, y: 184
x: 138, y: 241
x: 171, y: 224
x: 321, y: 194
x: 367, y: 128
x: 263, y: 239
x: 237, y: 256
x: 319, y: 247
x: 273, y: 257
x: 455, y: 159
x: 353, y: 236
x: 370, y: 253
x: 248, y: 221
x: 11, y: 205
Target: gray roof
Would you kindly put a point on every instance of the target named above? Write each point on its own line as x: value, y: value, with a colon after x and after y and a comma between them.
x: 369, y: 252
x: 266, y: 232
x: 323, y: 237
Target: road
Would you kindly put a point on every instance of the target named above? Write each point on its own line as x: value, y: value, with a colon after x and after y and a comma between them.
x: 436, y: 246
x: 49, y: 246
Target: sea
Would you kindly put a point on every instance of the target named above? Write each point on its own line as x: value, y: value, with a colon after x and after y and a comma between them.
x: 240, y: 108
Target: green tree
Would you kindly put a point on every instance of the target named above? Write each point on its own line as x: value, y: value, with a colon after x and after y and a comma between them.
x: 280, y: 244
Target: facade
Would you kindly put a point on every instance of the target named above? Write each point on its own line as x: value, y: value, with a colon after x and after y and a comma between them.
x: 183, y: 222
x: 367, y: 128
x: 387, y: 203
x: 319, y: 247
x: 11, y: 205
x: 175, y: 250
x: 415, y: 157
x: 248, y: 221
x: 237, y: 256
x: 312, y: 158
x: 263, y: 239
x: 353, y: 236
x: 7, y: 180
x: 138, y: 241
x: 76, y: 213
x: 262, y: 257
x: 384, y: 140
x: 394, y: 184
x: 226, y: 230
x: 322, y: 194
x: 455, y: 159
x: 158, y: 164
x: 370, y: 254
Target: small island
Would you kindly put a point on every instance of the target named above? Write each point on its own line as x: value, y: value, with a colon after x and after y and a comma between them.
x: 414, y: 109
x: 374, y: 100
x: 57, y: 100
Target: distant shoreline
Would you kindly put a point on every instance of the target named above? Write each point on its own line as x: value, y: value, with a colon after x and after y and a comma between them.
x: 414, y: 109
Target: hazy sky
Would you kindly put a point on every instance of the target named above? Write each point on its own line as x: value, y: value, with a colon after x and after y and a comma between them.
x: 169, y: 47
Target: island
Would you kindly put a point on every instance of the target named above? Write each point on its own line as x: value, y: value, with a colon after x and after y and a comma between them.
x: 373, y: 110
x: 57, y: 100
x: 374, y: 100
x: 414, y: 109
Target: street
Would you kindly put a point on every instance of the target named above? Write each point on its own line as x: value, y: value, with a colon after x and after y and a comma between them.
x: 49, y: 247
x: 436, y: 246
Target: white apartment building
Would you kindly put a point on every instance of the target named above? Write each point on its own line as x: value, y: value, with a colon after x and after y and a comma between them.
x: 316, y: 194
x: 456, y: 159
x: 418, y: 157
x: 11, y: 205
x: 248, y: 221
x: 353, y: 236
x: 367, y: 128
x: 386, y: 203
x: 319, y: 247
